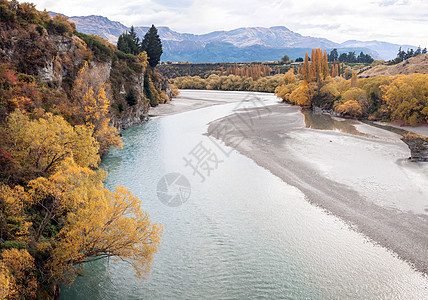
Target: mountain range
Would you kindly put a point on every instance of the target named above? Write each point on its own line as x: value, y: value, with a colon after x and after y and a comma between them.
x: 238, y: 45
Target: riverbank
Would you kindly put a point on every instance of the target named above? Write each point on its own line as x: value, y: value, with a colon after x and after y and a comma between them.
x: 421, y: 130
x: 365, y: 178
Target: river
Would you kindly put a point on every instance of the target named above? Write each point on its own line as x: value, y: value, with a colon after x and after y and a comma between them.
x: 242, y: 232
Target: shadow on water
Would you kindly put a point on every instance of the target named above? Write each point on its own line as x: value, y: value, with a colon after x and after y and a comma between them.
x: 323, y: 121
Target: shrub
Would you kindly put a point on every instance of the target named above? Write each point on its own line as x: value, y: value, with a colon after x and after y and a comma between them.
x: 131, y: 98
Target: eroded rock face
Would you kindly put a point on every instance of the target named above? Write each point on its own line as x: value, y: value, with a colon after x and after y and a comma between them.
x: 418, y: 147
x: 69, y: 55
x: 62, y: 43
x: 47, y: 73
x: 134, y: 116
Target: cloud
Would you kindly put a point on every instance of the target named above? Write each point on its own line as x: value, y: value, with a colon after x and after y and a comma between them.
x: 399, y: 21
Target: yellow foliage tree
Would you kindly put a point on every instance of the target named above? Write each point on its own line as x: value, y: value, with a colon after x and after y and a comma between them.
x: 43, y: 144
x: 301, y: 96
x: 290, y: 84
x: 13, y: 202
x: 289, y: 77
x: 329, y: 89
x: 7, y: 282
x: 143, y: 58
x: 109, y: 224
x: 407, y: 98
x: 18, y: 274
x: 63, y: 191
x: 325, y: 69
x: 351, y: 108
x: 174, y: 91
x: 358, y: 95
x: 92, y: 104
x: 306, y: 74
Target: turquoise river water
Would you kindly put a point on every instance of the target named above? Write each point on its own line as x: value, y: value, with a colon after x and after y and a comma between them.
x: 242, y: 234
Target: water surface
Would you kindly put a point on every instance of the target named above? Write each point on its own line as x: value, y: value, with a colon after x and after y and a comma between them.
x: 243, y: 233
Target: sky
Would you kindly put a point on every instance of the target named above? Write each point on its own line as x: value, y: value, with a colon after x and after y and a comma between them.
x: 396, y: 21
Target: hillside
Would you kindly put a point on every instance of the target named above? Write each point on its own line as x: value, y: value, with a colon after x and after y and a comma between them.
x: 417, y: 64
x: 247, y: 44
x: 53, y: 56
x: 64, y: 97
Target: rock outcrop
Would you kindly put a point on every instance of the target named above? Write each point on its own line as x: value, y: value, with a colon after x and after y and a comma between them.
x: 418, y: 147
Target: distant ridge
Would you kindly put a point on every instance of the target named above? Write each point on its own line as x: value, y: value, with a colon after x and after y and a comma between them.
x: 385, y: 50
x: 238, y: 45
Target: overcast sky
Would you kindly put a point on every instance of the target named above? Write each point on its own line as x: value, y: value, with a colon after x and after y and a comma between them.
x: 398, y: 21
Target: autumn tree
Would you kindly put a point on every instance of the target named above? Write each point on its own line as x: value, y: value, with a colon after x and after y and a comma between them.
x: 7, y: 282
x: 290, y: 84
x: 110, y: 224
x: 285, y: 59
x: 63, y: 191
x: 93, y: 223
x: 41, y: 145
x: 306, y: 69
x: 351, y: 108
x: 357, y: 96
x: 15, y: 224
x: 406, y: 97
x: 335, y: 70
x: 18, y: 274
x: 92, y: 98
x: 301, y: 96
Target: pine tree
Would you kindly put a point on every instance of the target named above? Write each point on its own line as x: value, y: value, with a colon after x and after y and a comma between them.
x: 129, y: 42
x: 153, y: 46
x: 134, y: 36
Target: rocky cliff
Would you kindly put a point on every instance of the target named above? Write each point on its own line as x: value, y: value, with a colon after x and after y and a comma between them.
x: 53, y: 56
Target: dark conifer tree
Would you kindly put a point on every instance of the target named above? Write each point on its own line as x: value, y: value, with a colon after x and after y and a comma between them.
x: 129, y: 42
x: 334, y: 55
x: 153, y: 46
x: 134, y: 36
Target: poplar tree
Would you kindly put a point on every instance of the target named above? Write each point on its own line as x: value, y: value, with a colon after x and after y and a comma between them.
x: 305, y: 68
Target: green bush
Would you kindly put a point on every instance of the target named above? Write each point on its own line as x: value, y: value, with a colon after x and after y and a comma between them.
x: 13, y: 245
x: 102, y: 52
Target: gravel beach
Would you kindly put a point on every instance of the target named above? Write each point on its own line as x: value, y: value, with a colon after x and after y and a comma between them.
x: 364, y: 178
